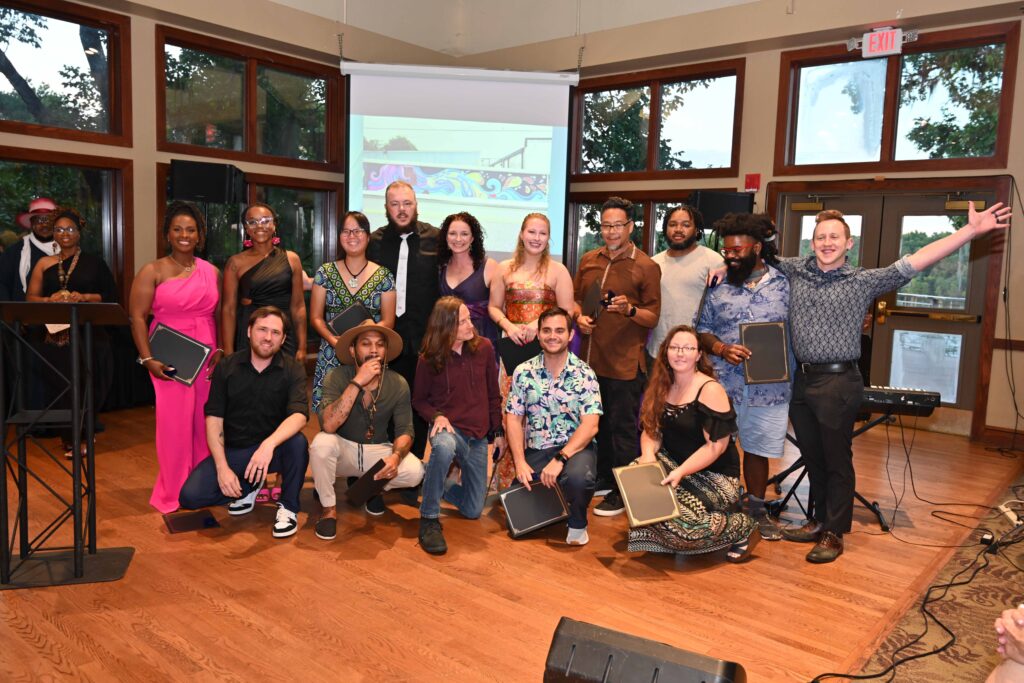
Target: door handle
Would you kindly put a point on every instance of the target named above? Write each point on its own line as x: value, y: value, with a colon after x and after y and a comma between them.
x: 880, y: 313
x: 947, y: 317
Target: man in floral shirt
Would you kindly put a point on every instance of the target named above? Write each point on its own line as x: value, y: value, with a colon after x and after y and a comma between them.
x: 753, y: 292
x: 555, y: 399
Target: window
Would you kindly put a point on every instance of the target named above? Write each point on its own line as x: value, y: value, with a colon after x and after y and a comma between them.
x: 94, y: 186
x: 232, y: 101
x: 944, y: 103
x: 65, y: 72
x: 671, y: 123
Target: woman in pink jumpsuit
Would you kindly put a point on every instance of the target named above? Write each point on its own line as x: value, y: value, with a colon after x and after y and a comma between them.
x: 182, y: 292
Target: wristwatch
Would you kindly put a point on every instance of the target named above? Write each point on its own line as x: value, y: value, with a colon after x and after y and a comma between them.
x: 561, y: 457
x: 632, y: 312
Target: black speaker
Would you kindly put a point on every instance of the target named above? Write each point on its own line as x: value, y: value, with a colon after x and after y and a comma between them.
x: 203, y: 182
x: 584, y: 652
x: 714, y: 205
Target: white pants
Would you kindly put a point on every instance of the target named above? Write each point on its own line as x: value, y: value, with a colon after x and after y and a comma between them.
x: 331, y: 456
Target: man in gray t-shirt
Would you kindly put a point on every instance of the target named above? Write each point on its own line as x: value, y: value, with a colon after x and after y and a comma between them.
x: 361, y: 400
x: 684, y: 272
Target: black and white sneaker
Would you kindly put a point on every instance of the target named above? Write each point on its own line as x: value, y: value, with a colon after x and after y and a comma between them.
x: 245, y: 504
x: 286, y: 523
x: 375, y: 506
x: 611, y: 505
x: 604, y: 487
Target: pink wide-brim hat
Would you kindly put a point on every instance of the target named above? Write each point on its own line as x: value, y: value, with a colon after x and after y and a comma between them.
x: 35, y: 207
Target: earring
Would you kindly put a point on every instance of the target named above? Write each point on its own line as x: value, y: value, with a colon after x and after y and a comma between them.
x: 246, y: 243
x: 276, y: 240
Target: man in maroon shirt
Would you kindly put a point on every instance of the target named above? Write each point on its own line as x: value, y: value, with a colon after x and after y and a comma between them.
x: 456, y: 392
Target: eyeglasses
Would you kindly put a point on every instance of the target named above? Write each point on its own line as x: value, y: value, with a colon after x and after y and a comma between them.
x: 262, y: 222
x: 729, y: 251
x: 681, y: 349
x: 67, y: 230
x: 615, y: 226
x: 352, y: 232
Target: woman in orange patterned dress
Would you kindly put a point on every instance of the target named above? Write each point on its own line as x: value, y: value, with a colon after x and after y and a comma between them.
x: 522, y: 288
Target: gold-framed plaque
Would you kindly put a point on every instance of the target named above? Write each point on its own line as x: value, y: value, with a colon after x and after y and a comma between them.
x: 769, y: 352
x: 647, y: 500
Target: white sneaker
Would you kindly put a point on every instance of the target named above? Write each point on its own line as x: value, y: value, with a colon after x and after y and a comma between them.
x: 245, y: 505
x: 577, y: 536
x: 286, y: 523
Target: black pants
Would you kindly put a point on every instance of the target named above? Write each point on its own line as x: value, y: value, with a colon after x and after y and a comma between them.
x: 618, y: 439
x: 823, y: 410
x: 576, y: 480
x: 201, y: 489
x: 405, y: 365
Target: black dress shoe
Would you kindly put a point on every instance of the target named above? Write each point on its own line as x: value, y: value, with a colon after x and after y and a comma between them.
x: 827, y: 549
x: 808, y: 533
x: 432, y: 537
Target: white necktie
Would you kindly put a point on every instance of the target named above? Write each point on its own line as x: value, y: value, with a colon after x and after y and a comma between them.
x: 401, y: 275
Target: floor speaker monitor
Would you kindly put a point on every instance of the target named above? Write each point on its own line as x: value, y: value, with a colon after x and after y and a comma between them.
x: 198, y: 181
x: 583, y: 652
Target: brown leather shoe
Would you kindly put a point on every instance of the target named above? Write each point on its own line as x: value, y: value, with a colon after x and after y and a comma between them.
x: 827, y: 549
x: 808, y: 533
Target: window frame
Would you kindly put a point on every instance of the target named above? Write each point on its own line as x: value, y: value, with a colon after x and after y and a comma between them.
x: 118, y: 27
x: 253, y: 58
x: 655, y: 79
x: 122, y: 212
x: 789, y: 91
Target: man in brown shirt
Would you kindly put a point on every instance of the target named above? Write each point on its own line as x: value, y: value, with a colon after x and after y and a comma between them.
x: 613, y: 341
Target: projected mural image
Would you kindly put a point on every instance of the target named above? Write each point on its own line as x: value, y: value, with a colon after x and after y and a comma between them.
x: 497, y: 172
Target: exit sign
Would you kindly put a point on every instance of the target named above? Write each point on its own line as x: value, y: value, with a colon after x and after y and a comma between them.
x: 887, y: 41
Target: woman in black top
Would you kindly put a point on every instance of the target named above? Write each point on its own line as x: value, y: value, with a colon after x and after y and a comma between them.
x: 688, y: 423
x: 77, y: 277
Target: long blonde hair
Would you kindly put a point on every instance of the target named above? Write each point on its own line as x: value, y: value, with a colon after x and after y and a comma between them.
x: 519, y: 257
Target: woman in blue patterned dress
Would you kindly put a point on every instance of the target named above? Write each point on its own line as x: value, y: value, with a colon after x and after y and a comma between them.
x: 340, y: 284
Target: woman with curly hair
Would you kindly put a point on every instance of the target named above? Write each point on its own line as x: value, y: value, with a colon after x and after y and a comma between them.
x: 688, y: 425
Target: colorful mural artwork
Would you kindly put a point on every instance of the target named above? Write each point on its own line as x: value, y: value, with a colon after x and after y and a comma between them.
x: 501, y: 185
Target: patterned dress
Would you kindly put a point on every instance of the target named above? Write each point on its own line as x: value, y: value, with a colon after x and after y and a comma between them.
x: 524, y: 302
x: 338, y: 299
x: 707, y: 499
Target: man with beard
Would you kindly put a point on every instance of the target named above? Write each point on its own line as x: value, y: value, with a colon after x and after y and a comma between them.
x: 363, y: 400
x: 254, y: 419
x: 613, y: 342
x: 408, y: 248
x: 684, y: 272
x: 552, y: 414
x: 753, y: 292
x: 20, y: 258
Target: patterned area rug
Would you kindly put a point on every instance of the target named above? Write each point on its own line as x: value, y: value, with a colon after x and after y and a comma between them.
x: 967, y: 610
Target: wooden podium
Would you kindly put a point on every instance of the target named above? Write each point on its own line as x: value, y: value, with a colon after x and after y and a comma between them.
x: 38, y: 564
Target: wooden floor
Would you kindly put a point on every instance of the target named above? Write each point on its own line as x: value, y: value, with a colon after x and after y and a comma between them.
x: 235, y: 604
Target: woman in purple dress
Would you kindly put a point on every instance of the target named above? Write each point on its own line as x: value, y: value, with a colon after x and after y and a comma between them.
x: 465, y: 270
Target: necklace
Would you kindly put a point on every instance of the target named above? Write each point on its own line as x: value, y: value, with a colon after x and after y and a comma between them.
x: 189, y: 268
x: 62, y: 276
x: 353, y: 280
x: 371, y: 411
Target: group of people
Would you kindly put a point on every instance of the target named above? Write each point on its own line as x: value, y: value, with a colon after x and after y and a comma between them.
x: 657, y: 377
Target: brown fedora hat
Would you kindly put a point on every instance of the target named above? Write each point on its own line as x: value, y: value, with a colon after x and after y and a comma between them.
x: 348, y: 338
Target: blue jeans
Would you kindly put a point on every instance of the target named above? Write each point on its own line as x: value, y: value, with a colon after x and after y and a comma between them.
x: 471, y: 454
x: 201, y: 489
x: 577, y: 479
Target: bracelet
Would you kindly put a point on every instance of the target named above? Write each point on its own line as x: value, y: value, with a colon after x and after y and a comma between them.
x: 143, y: 361
x: 361, y: 387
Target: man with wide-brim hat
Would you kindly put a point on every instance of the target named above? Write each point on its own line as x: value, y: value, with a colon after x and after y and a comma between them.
x: 362, y: 401
x: 20, y: 258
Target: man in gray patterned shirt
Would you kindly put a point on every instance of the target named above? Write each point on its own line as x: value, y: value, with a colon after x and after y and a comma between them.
x: 828, y: 299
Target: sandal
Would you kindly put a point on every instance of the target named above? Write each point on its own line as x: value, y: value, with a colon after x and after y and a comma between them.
x: 263, y: 496
x: 275, y: 493
x: 740, y: 552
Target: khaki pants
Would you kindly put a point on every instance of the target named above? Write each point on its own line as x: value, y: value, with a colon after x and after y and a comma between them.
x: 331, y: 456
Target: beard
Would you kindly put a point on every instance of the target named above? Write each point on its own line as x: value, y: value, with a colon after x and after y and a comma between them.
x: 411, y: 226
x: 684, y: 244
x: 740, y: 269
x: 260, y: 352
